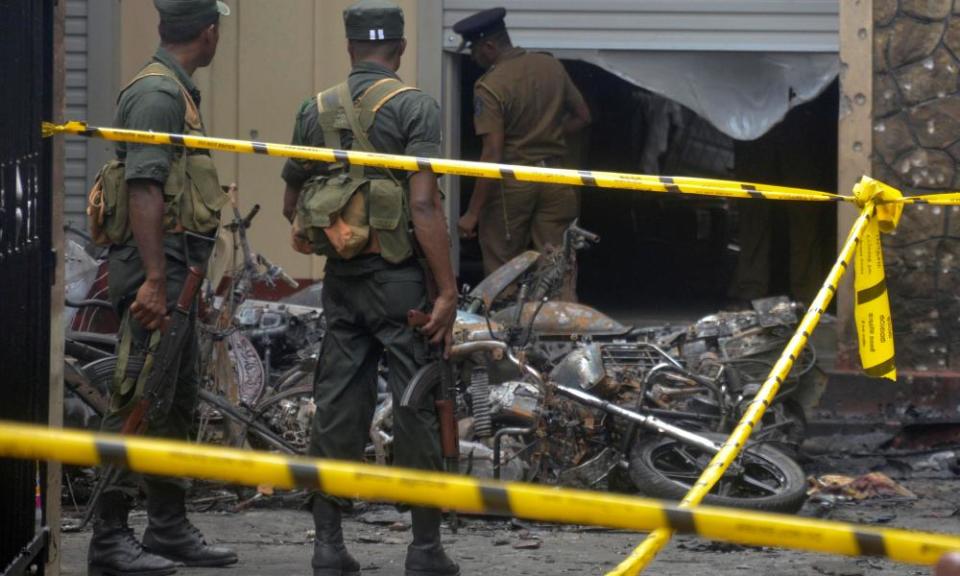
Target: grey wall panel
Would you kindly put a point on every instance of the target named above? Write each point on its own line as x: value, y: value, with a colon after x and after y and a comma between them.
x: 728, y: 25
x: 75, y: 173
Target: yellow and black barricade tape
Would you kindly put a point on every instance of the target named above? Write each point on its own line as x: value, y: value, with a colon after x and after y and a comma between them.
x: 593, y: 178
x: 616, y: 180
x: 872, y: 302
x: 467, y: 494
x: 881, y: 208
x: 874, y: 325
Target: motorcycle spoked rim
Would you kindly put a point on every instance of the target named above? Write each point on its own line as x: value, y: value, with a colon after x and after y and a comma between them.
x: 789, y: 495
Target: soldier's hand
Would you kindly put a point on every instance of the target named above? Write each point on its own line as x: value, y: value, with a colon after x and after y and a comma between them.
x: 439, y: 330
x: 150, y: 306
x: 233, y: 192
x: 468, y: 225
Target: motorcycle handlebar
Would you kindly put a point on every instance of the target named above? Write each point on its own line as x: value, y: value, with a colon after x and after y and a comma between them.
x: 585, y: 234
x: 251, y: 215
x: 277, y: 272
x: 241, y: 224
x: 288, y: 280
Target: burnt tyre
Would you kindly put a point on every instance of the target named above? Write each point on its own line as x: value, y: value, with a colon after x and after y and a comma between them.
x: 280, y: 422
x: 287, y: 415
x: 762, y: 478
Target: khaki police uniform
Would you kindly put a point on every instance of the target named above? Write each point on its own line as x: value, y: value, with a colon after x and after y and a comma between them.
x: 799, y: 235
x: 527, y: 94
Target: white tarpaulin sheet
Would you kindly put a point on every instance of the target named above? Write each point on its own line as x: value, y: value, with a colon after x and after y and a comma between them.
x: 743, y: 94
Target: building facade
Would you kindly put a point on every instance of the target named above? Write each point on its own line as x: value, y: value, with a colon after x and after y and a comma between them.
x: 897, y: 113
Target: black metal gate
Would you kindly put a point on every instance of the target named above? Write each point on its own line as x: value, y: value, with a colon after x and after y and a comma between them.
x: 26, y: 73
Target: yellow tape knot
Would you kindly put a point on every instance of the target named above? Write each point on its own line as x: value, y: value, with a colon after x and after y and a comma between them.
x: 887, y: 199
x: 49, y: 129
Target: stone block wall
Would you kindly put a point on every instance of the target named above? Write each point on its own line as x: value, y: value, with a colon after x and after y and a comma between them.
x: 916, y: 145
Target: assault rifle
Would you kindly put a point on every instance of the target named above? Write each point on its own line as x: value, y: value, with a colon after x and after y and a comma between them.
x: 154, y: 402
x: 445, y: 403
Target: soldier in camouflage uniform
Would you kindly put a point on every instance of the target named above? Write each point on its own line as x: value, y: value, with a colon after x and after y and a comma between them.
x: 147, y: 270
x: 370, y: 286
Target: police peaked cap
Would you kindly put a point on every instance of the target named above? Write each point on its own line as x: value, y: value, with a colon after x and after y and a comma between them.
x: 373, y: 20
x: 480, y: 25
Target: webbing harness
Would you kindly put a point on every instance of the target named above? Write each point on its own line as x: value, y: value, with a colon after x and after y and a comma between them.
x: 356, y: 117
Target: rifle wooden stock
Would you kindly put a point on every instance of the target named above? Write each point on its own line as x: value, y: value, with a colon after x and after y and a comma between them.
x: 446, y: 403
x: 136, y: 422
x: 449, y: 435
x: 190, y: 289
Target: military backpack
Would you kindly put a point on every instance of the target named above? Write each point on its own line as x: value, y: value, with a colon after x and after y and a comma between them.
x: 192, y: 195
x: 336, y: 212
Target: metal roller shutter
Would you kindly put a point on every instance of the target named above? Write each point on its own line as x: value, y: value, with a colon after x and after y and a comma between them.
x: 723, y: 25
x: 75, y: 173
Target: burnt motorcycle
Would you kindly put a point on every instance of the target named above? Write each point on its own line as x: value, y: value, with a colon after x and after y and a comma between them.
x: 731, y: 351
x: 558, y: 392
x: 236, y: 392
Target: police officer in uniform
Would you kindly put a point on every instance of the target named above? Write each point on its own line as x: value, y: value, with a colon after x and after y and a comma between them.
x: 147, y: 270
x: 370, y: 285
x: 798, y: 234
x: 525, y: 106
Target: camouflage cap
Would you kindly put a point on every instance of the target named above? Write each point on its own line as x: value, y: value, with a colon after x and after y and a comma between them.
x: 190, y: 11
x: 373, y: 20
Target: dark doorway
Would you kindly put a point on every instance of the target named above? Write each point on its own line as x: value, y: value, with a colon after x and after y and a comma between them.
x: 26, y: 42
x: 662, y: 257
x: 788, y: 247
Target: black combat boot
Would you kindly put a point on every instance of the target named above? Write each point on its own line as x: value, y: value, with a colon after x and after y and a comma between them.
x: 114, y: 550
x: 171, y: 535
x: 330, y: 556
x: 425, y: 557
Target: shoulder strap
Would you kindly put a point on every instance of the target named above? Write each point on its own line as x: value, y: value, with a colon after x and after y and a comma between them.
x: 359, y: 116
x: 360, y: 139
x: 328, y: 102
x: 369, y: 103
x: 380, y: 92
x: 192, y: 115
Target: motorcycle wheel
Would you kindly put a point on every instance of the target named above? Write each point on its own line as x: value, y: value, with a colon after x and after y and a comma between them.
x: 287, y: 414
x: 300, y: 376
x: 295, y: 377
x: 662, y: 467
x: 264, y: 433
